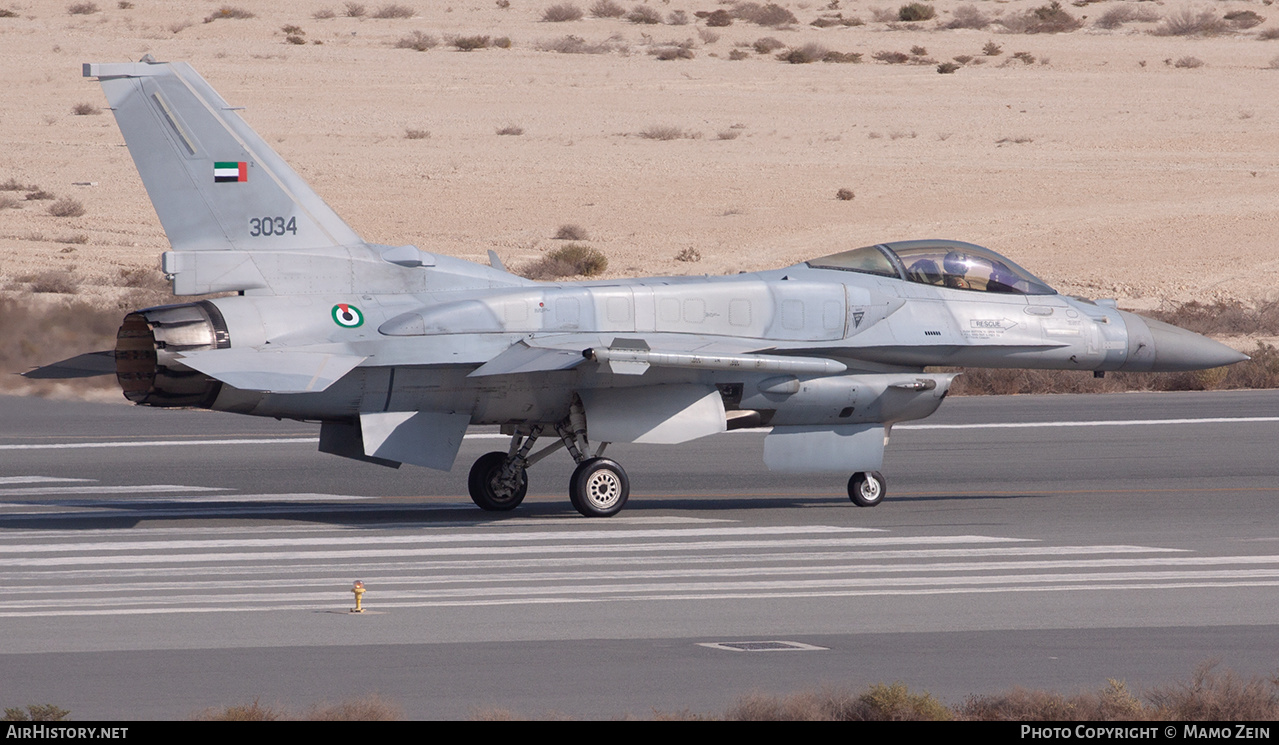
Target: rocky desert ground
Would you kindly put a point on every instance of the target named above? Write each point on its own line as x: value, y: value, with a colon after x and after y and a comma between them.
x: 1117, y: 149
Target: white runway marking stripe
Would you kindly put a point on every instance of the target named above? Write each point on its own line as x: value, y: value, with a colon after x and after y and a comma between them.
x: 490, y: 550
x: 699, y: 591
x: 564, y: 535
x: 4, y: 480
x: 36, y: 491
x: 200, y: 587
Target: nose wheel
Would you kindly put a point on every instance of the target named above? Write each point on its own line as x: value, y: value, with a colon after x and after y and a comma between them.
x: 867, y: 488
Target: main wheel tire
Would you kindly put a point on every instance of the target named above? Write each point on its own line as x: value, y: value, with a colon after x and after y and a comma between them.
x: 867, y: 488
x: 599, y: 488
x: 485, y: 489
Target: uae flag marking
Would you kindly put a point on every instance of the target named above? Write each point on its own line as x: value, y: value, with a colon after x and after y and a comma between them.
x: 230, y: 171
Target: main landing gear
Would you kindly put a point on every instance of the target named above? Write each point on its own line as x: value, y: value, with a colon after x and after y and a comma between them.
x: 599, y: 487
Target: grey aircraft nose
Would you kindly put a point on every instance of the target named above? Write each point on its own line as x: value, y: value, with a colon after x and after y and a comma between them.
x: 1160, y: 347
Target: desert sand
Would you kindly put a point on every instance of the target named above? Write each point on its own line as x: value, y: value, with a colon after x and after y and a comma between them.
x: 1110, y: 165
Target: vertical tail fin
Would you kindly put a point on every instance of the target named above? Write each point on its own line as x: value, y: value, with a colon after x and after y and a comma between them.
x: 215, y: 184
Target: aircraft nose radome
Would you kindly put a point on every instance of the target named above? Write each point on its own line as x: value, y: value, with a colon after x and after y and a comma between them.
x: 1161, y: 347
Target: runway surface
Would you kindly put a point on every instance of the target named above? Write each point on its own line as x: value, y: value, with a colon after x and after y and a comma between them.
x: 159, y: 562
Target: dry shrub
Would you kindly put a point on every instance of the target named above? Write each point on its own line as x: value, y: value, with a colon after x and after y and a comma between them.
x: 1110, y: 704
x: 78, y: 239
x: 417, y: 40
x: 227, y: 11
x: 767, y: 44
x: 968, y: 16
x: 66, y: 207
x: 1268, y: 34
x: 416, y: 134
x: 6, y: 13
x: 371, y: 708
x: 666, y: 132
x: 845, y: 195
x: 1046, y: 19
x: 707, y: 37
x: 717, y: 18
x: 323, y: 14
x: 948, y: 68
x: 689, y: 255
x: 991, y: 49
x: 10, y: 203
x: 510, y: 130
x: 677, y: 18
x: 1189, y: 23
x: 771, y: 15
x: 85, y: 109
x: 1217, y: 696
x: 561, y: 12
x: 673, y: 51
x: 916, y: 12
x: 1025, y: 57
x: 577, y: 45
x: 645, y: 15
x: 82, y: 9
x: 14, y: 185
x: 607, y: 9
x: 880, y: 702
x: 51, y: 281
x: 804, y: 55
x: 737, y: 55
x: 254, y: 712
x: 36, y: 712
x: 502, y: 42
x: 842, y: 57
x: 836, y: 20
x: 1242, y: 19
x: 572, y: 259
x: 354, y: 10
x: 394, y: 11
x: 892, y: 58
x: 469, y: 43
x: 571, y: 233
x: 1188, y: 62
x: 1120, y: 14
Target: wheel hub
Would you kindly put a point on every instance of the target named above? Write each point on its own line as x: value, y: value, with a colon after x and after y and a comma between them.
x: 603, y: 488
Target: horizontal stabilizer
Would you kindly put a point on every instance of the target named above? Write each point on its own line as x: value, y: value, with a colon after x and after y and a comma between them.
x: 87, y: 365
x: 423, y: 438
x: 273, y: 372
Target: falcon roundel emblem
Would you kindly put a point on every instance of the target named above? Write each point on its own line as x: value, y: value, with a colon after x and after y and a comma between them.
x: 347, y: 316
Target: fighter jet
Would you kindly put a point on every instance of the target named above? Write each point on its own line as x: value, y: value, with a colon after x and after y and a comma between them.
x: 396, y: 351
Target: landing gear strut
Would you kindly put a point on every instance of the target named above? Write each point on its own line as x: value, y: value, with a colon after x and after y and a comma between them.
x: 599, y: 487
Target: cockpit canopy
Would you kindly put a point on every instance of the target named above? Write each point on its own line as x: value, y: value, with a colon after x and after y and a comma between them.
x: 953, y: 264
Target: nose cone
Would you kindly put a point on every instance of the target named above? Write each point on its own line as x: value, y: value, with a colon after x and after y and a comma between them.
x: 1160, y: 347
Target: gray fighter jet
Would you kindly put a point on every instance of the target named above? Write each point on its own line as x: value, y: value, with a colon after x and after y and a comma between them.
x: 396, y: 351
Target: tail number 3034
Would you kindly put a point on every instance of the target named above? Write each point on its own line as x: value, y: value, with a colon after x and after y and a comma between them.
x: 272, y: 226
